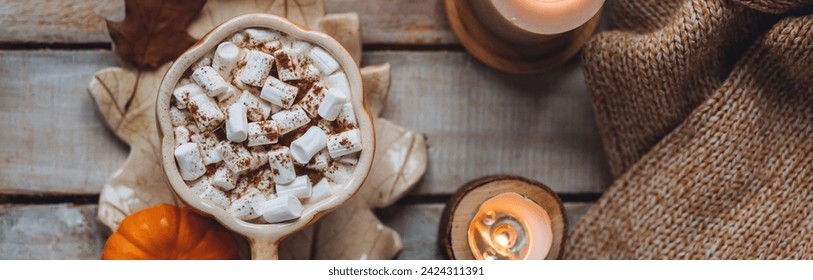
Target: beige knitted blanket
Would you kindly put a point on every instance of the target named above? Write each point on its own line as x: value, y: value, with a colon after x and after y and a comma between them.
x: 705, y: 108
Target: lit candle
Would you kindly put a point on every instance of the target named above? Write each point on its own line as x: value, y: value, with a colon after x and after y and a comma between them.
x: 523, y: 35
x: 538, y: 16
x: 509, y: 226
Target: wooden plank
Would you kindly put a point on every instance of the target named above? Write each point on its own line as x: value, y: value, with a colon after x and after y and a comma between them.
x: 407, y: 22
x: 418, y: 226
x: 58, y: 231
x: 80, y: 21
x: 57, y: 21
x: 480, y: 122
x: 53, y: 139
x: 65, y: 231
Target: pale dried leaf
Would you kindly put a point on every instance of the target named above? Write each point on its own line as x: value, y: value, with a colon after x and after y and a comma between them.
x: 399, y: 164
x: 376, y: 82
x: 345, y: 29
x: 126, y: 100
x: 354, y: 232
x: 303, y: 12
x: 216, y: 12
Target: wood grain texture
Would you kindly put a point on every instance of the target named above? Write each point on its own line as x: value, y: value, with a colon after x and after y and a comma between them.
x: 60, y: 231
x: 553, y: 139
x: 80, y: 21
x: 53, y: 139
x: 418, y: 226
x: 71, y: 232
x: 57, y: 21
x: 479, y: 121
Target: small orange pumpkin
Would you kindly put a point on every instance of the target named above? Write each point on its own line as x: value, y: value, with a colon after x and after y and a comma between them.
x: 165, y: 232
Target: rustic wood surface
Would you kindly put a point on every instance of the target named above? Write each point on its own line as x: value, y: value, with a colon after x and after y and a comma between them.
x: 478, y: 122
x: 65, y: 231
x: 410, y: 22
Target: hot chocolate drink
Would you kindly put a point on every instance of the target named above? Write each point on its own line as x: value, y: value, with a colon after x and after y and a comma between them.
x: 263, y: 126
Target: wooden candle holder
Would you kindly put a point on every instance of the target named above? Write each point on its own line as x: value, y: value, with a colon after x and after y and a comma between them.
x: 463, y: 206
x: 514, y: 51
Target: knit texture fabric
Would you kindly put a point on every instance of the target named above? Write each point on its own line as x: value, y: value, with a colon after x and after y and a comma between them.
x: 705, y: 108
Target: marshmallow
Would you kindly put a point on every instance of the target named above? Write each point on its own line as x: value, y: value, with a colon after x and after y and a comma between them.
x: 282, y: 165
x: 182, y: 93
x: 279, y: 209
x: 326, y: 126
x: 259, y: 180
x: 236, y: 157
x: 200, y: 185
x: 320, y: 191
x: 290, y: 119
x: 262, y: 133
x: 332, y: 104
x: 344, y: 143
x: 190, y: 162
x: 266, y: 180
x: 310, y: 102
x: 339, y: 173
x: 299, y: 188
x: 259, y: 157
x: 311, y: 73
x: 286, y: 65
x: 258, y: 65
x: 225, y: 59
x: 193, y: 129
x: 307, y: 145
x: 338, y: 81
x: 224, y: 178
x: 237, y: 125
x: 348, y: 159
x: 320, y: 161
x: 178, y: 117
x: 211, y: 82
x: 278, y: 92
x: 203, y: 62
x: 228, y: 98
x: 347, y: 117
x: 300, y: 47
x: 272, y: 45
x: 254, y: 109
x: 258, y: 35
x: 241, y: 208
x: 206, y: 112
x: 238, y: 38
x: 181, y: 135
x: 269, y: 108
x: 209, y: 147
x: 323, y: 60
x: 216, y: 196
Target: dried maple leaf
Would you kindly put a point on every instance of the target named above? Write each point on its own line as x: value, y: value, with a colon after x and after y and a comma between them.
x: 154, y: 31
x: 126, y: 100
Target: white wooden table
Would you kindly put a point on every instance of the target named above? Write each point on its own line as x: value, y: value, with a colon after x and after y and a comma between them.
x: 56, y: 152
